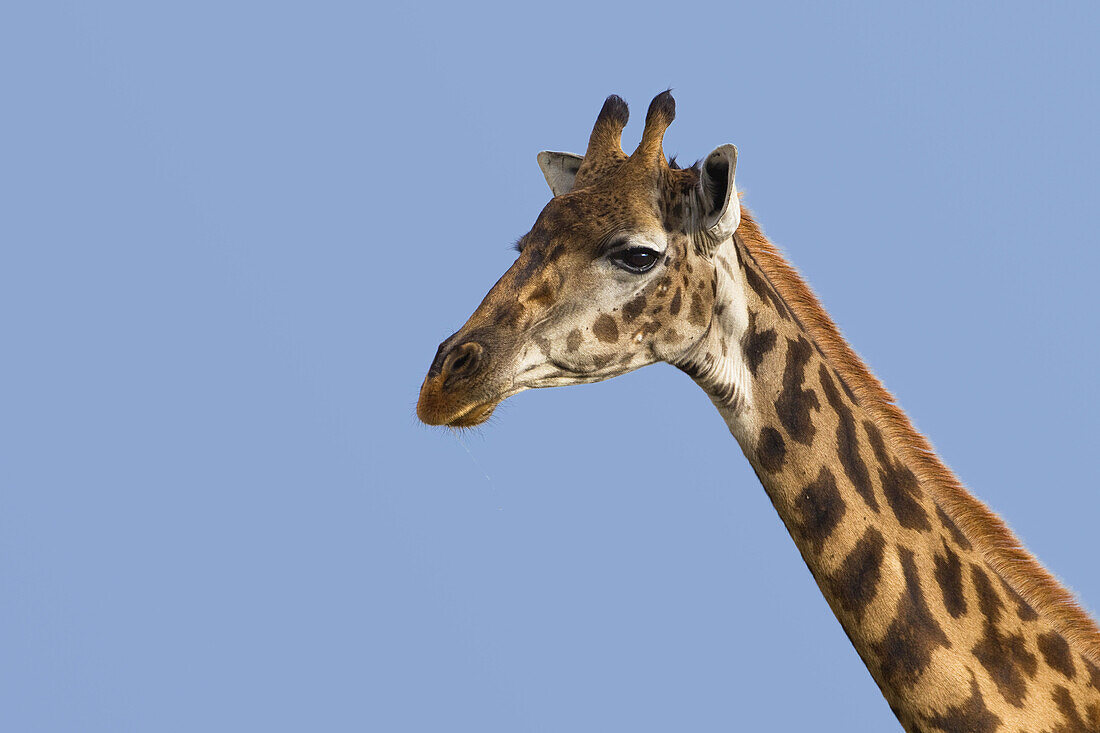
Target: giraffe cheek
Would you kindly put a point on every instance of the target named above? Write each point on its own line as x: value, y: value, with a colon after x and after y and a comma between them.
x: 573, y: 340
x: 605, y: 329
x: 645, y: 331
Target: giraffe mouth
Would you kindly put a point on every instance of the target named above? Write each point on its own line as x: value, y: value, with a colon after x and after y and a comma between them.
x: 434, y: 408
x: 472, y: 416
x: 455, y: 407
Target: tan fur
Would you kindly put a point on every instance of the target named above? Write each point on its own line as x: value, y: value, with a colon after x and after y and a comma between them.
x: 996, y: 542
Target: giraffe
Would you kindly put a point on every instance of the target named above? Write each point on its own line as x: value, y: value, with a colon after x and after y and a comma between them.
x: 635, y: 260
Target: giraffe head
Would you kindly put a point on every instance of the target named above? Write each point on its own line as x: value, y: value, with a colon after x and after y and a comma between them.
x: 620, y: 270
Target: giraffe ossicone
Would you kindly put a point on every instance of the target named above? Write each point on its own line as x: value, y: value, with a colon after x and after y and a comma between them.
x: 635, y: 261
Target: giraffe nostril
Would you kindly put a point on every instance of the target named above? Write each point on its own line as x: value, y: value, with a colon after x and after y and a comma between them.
x: 463, y: 360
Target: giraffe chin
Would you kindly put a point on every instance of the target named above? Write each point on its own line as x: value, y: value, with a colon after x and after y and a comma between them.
x: 473, y: 416
x: 454, y: 408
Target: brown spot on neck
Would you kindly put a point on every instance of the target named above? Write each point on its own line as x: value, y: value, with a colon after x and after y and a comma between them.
x: 818, y: 510
x: 948, y: 575
x: 771, y: 451
x: 756, y: 344
x: 855, y: 584
x: 906, y: 650
x: 971, y: 715
x: 1004, y: 655
x: 847, y: 441
x: 899, y: 484
x: 794, y: 403
x: 1056, y: 654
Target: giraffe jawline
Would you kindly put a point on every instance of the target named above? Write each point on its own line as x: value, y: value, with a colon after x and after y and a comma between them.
x: 473, y: 416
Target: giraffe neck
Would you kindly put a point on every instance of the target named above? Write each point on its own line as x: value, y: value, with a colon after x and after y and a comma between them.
x: 951, y: 644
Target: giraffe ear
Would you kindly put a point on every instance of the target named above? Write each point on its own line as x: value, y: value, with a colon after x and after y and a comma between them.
x: 718, y: 193
x: 560, y: 170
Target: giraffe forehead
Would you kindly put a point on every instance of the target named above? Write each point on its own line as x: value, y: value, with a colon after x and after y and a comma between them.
x: 587, y: 216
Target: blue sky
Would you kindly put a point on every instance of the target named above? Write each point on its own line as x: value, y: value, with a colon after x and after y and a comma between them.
x: 233, y: 235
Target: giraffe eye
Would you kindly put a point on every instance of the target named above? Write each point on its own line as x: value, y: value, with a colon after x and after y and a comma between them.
x: 636, y: 259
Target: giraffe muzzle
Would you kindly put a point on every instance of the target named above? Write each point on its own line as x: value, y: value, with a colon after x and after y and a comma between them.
x: 445, y: 397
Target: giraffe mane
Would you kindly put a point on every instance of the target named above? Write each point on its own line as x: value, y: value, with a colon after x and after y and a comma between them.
x: 988, y: 532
